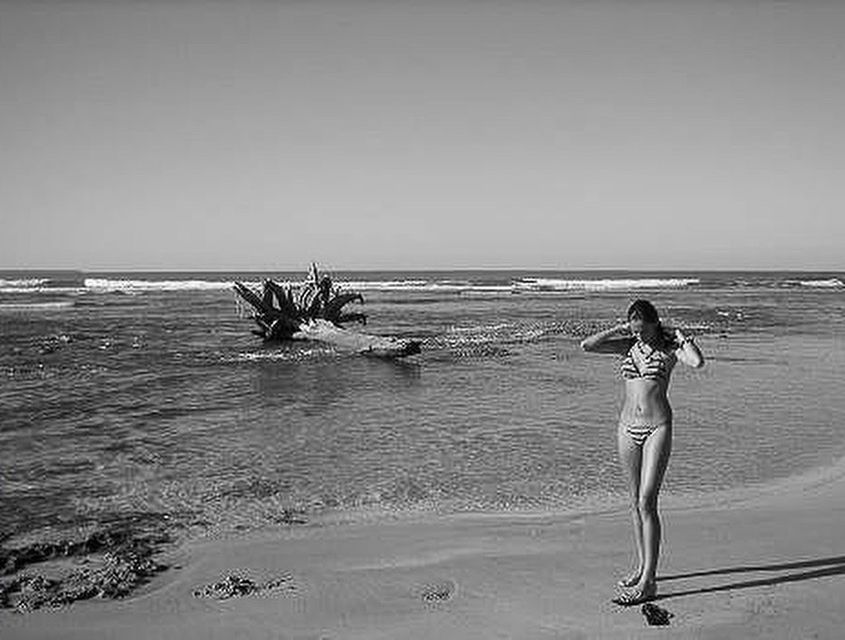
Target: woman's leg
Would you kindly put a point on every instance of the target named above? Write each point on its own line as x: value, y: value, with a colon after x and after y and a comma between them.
x: 630, y: 457
x: 655, y: 458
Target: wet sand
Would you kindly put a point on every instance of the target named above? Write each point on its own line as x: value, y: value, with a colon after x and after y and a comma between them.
x: 759, y: 564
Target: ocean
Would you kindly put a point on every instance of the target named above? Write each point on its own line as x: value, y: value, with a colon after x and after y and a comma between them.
x: 146, y: 395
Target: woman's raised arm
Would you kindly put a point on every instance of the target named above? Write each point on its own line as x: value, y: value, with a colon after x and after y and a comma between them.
x: 610, y: 340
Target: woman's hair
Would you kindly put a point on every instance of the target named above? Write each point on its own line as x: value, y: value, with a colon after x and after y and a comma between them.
x: 645, y: 310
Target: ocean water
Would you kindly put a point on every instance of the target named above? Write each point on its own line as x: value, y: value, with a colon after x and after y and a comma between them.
x: 146, y: 394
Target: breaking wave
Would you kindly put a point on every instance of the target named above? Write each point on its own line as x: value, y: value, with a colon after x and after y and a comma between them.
x: 521, y: 285
x: 831, y: 283
x: 464, y: 283
x: 131, y: 286
x: 446, y: 286
x: 37, y: 283
x: 602, y: 284
x: 23, y: 283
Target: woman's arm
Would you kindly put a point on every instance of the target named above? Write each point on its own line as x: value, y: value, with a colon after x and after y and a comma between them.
x: 610, y: 340
x: 687, y: 351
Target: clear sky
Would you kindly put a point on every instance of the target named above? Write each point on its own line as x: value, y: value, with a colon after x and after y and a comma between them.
x: 428, y: 134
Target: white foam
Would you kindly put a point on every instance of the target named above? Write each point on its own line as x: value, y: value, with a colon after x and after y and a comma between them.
x: 400, y: 285
x: 480, y: 328
x: 421, y: 285
x: 70, y: 290
x: 601, y: 284
x: 137, y: 285
x: 33, y: 285
x: 385, y: 285
x: 287, y: 355
x: 132, y: 286
x: 35, y: 306
x: 23, y: 283
x: 831, y: 283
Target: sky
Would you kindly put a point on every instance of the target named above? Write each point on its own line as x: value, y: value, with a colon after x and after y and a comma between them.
x: 369, y: 134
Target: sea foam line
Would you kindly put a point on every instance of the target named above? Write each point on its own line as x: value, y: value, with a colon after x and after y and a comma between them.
x: 54, y: 290
x: 413, y: 285
x: 105, y: 284
x: 830, y: 283
x: 603, y: 284
x: 23, y: 283
x: 35, y: 306
x: 421, y: 285
x: 433, y: 285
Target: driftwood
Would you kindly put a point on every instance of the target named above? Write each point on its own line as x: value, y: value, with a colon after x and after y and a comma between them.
x: 314, y: 311
x: 325, y: 331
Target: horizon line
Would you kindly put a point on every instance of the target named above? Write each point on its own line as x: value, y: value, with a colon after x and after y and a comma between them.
x: 418, y: 270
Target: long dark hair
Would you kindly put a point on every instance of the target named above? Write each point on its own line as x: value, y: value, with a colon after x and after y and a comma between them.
x: 644, y: 310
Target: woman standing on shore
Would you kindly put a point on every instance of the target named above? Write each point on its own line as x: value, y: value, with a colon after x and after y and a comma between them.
x: 650, y: 353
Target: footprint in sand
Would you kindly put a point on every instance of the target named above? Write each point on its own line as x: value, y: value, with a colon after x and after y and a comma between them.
x: 439, y: 591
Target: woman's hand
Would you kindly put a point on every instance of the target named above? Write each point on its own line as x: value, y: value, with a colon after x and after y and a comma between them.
x: 688, y: 352
x: 623, y: 327
x: 673, y: 334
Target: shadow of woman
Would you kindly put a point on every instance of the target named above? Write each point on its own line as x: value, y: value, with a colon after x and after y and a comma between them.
x: 812, y: 569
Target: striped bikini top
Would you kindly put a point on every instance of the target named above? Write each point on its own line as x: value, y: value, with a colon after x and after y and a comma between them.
x: 643, y: 361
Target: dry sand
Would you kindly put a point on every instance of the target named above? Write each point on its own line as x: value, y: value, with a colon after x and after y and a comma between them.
x: 759, y: 564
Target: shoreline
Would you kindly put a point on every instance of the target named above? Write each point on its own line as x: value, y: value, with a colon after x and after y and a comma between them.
x: 760, y: 562
x: 807, y: 479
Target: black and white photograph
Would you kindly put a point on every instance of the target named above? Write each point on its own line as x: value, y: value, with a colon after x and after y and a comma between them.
x: 422, y: 319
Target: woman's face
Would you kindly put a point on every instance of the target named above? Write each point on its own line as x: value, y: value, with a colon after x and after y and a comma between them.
x: 640, y: 328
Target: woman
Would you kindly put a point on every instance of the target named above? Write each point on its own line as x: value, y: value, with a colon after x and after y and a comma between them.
x: 645, y: 427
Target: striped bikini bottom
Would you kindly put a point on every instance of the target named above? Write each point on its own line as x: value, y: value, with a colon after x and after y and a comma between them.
x: 640, y: 432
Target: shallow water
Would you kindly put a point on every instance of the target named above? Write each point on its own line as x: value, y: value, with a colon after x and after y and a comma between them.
x: 128, y: 393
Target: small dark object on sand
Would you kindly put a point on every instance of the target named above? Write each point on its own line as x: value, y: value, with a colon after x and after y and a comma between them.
x: 231, y: 586
x: 235, y: 586
x: 439, y: 592
x: 656, y: 616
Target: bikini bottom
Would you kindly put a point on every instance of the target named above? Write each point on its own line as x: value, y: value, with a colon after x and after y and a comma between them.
x: 640, y: 432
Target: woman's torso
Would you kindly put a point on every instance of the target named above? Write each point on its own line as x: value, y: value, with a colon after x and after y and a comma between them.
x: 646, y: 371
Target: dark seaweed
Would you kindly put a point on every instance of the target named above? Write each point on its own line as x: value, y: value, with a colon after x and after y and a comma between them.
x: 126, y: 562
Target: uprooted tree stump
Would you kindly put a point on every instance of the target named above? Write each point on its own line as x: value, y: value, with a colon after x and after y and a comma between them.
x: 313, y: 310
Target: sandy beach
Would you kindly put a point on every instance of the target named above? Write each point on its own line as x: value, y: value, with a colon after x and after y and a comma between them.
x: 321, y: 320
x: 766, y: 563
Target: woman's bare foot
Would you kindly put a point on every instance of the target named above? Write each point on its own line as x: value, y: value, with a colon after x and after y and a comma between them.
x: 642, y: 592
x: 631, y: 580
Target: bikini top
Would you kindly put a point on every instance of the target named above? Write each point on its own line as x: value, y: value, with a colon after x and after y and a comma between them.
x: 643, y: 361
